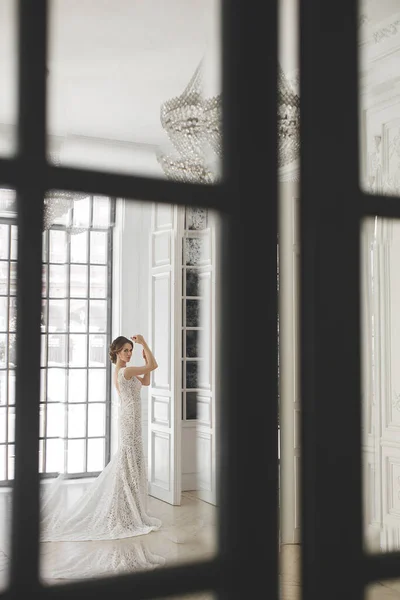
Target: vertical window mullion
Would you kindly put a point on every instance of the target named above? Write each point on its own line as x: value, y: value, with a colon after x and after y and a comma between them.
x: 31, y: 187
x: 46, y: 337
x: 88, y: 336
x: 107, y: 449
x: 8, y: 348
x: 67, y: 357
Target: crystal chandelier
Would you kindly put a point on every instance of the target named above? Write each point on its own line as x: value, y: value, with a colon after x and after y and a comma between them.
x: 194, y: 127
x: 58, y: 202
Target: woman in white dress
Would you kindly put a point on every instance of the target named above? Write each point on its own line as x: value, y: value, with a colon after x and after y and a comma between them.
x: 114, y: 506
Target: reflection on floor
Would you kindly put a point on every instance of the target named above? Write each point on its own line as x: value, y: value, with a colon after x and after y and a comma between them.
x: 188, y: 534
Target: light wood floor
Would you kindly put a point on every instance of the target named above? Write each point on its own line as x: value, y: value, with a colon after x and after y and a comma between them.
x: 188, y: 533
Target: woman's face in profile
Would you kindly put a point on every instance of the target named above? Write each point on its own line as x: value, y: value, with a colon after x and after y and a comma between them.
x: 125, y: 354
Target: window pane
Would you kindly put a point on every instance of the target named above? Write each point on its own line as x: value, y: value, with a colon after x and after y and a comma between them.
x: 3, y: 313
x: 44, y: 280
x: 97, y: 356
x: 43, y: 317
x: 56, y: 385
x: 98, y: 247
x: 192, y: 344
x: 57, y: 350
x: 13, y: 314
x: 3, y: 350
x: 9, y: 104
x: 42, y: 416
x: 11, y: 387
x: 13, y: 278
x: 58, y: 246
x: 97, y: 385
x: 55, y: 456
x: 14, y: 242
x: 192, y: 282
x: 45, y: 256
x: 77, y: 385
x: 79, y: 248
x: 3, y: 277
x: 57, y: 315
x: 78, y: 315
x: 193, y: 313
x: 81, y: 213
x: 98, y: 315
x: 2, y: 463
x: 191, y: 405
x: 78, y: 350
x: 194, y: 249
x: 81, y: 96
x: 3, y: 387
x: 12, y: 350
x: 191, y: 375
x: 41, y: 457
x: 97, y: 420
x: 76, y: 420
x: 96, y: 455
x: 43, y: 351
x: 98, y: 282
x: 11, y: 424
x: 195, y: 218
x: 76, y: 456
x: 78, y: 281
x: 55, y: 420
x: 43, y: 388
x: 3, y: 424
x: 4, y: 241
x: 101, y: 211
x: 11, y: 461
x: 58, y: 281
x: 8, y: 204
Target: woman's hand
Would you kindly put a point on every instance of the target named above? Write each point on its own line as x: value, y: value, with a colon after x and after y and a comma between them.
x: 139, y: 339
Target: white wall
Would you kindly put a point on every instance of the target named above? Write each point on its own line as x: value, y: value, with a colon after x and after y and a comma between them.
x: 130, y: 288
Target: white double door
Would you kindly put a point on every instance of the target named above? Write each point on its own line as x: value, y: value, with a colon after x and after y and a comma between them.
x: 165, y: 424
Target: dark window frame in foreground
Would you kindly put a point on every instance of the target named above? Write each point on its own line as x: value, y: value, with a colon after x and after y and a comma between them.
x: 247, y: 559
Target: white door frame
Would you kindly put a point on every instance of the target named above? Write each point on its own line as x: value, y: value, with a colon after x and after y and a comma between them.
x: 289, y: 254
x: 165, y: 412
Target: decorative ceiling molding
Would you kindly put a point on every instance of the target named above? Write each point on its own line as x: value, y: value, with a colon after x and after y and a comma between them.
x: 386, y: 32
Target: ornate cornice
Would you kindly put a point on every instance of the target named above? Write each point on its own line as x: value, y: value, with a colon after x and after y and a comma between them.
x: 386, y: 32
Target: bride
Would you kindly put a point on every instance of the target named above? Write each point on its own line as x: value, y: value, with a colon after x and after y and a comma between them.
x: 114, y: 506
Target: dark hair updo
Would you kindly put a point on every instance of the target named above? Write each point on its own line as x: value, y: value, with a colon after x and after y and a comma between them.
x: 116, y: 346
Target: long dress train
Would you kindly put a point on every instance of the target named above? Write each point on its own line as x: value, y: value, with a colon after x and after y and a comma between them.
x: 114, y: 506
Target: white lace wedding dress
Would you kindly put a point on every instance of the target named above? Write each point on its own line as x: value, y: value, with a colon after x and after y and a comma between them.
x: 114, y: 507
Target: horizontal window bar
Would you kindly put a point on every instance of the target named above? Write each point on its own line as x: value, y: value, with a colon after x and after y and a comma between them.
x: 58, y: 437
x: 380, y: 206
x: 116, y: 185
x: 378, y: 567
x: 185, y: 579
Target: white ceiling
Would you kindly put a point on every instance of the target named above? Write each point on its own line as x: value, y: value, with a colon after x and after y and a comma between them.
x: 113, y: 62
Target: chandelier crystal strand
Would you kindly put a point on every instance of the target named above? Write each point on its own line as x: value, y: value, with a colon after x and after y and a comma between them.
x: 182, y: 118
x: 186, y: 170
